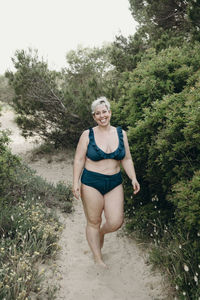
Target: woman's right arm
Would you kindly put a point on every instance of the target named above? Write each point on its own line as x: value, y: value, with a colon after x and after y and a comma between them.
x: 79, y: 162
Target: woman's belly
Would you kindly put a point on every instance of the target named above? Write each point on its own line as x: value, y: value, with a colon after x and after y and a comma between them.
x: 104, y: 166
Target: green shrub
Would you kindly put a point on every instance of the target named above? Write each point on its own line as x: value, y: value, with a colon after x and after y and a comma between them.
x: 186, y: 198
x: 56, y: 105
x: 6, y: 91
x: 29, y: 231
x: 178, y: 254
x: 159, y: 108
x: 156, y: 76
x: 165, y: 147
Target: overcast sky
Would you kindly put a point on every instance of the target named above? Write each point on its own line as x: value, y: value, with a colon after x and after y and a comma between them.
x: 56, y: 26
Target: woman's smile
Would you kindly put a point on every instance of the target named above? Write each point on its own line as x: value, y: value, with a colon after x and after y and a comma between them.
x: 103, y: 120
x: 102, y: 115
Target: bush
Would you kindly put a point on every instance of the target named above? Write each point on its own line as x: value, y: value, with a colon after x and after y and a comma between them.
x: 56, y: 105
x: 159, y: 107
x: 29, y: 231
x: 156, y: 76
x: 6, y: 91
x: 185, y: 196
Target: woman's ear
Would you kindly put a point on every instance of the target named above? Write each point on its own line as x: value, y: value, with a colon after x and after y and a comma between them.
x: 93, y: 115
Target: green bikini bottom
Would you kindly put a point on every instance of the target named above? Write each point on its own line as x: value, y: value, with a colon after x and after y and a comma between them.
x: 102, y: 183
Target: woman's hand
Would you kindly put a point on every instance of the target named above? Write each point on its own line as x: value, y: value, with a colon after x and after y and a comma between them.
x: 76, y: 191
x: 136, y: 186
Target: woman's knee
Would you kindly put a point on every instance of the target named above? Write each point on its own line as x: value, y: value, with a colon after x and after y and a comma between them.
x: 115, y: 224
x: 94, y: 222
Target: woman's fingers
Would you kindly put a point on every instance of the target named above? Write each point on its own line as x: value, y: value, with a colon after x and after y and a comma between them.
x: 76, y: 193
x: 136, y: 187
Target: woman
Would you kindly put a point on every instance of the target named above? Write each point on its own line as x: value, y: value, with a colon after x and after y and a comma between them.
x: 99, y: 153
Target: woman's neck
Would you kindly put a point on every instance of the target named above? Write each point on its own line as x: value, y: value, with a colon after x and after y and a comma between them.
x: 104, y: 128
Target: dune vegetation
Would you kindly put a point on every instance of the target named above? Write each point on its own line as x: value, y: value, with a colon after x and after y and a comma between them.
x: 152, y: 80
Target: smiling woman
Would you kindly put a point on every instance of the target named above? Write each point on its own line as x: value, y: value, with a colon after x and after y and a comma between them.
x: 99, y: 153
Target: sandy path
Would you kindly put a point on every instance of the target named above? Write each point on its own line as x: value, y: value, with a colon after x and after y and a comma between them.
x: 128, y: 276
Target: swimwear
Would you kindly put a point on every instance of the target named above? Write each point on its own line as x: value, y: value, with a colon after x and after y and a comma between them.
x: 101, y: 182
x: 95, y: 153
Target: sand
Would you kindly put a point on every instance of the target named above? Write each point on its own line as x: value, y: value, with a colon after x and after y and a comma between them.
x: 129, y: 276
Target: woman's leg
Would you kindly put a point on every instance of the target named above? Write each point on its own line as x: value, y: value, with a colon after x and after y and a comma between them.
x: 93, y: 203
x: 113, y: 210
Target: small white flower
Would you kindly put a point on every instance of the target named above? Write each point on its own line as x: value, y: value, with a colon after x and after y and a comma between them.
x: 12, y: 218
x: 198, y: 233
x: 155, y: 206
x: 195, y: 278
x: 197, y: 274
x: 184, y: 293
x: 186, y: 268
x: 180, y: 247
x: 177, y: 287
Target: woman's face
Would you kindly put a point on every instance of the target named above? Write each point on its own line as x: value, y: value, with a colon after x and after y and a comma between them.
x: 102, y: 115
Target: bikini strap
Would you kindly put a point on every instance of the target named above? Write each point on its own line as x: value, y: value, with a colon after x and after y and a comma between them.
x: 91, y: 135
x: 121, y: 137
x: 119, y: 131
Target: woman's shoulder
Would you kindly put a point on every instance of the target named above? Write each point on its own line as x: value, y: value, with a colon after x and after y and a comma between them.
x: 119, y: 128
x: 84, y: 138
x: 85, y: 133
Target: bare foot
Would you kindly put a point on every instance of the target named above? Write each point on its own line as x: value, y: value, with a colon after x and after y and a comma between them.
x: 101, y: 263
x: 101, y: 240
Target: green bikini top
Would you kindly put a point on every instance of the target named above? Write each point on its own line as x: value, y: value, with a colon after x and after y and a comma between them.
x: 95, y: 153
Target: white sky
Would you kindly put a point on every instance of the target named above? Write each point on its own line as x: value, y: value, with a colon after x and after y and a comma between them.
x: 56, y: 26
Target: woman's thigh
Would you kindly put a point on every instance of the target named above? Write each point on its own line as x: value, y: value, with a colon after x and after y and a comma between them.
x: 93, y: 203
x: 114, y: 205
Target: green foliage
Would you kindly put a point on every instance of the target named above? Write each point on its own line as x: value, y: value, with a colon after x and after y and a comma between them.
x: 178, y: 253
x: 153, y: 81
x: 168, y: 139
x: 156, y: 75
x: 127, y: 52
x: 56, y: 105
x: 29, y: 231
x: 8, y: 165
x: 6, y: 91
x: 178, y: 18
x: 159, y: 106
x: 37, y: 100
x: 185, y: 196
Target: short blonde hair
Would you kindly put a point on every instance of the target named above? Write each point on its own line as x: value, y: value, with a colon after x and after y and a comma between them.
x: 99, y: 101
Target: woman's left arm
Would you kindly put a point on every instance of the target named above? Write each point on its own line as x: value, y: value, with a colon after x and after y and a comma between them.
x: 127, y: 164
